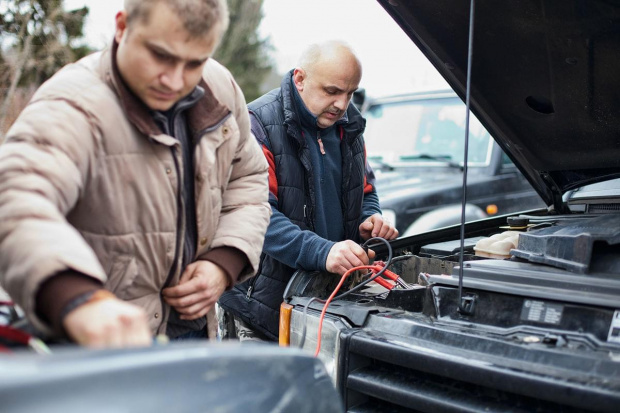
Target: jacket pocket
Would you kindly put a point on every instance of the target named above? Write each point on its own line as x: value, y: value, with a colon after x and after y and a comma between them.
x: 121, y: 276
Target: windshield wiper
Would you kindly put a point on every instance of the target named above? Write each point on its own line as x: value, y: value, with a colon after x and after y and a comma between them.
x: 439, y: 158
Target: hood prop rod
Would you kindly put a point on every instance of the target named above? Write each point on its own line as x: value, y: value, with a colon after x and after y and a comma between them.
x: 466, y: 304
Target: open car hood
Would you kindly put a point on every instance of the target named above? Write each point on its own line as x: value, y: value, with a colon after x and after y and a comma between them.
x: 544, y: 79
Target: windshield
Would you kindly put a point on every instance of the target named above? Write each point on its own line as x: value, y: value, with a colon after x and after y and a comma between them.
x: 429, y: 130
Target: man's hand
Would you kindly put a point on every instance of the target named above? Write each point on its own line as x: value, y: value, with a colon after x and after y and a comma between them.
x: 108, y: 323
x: 199, y: 288
x: 345, y: 255
x: 376, y: 226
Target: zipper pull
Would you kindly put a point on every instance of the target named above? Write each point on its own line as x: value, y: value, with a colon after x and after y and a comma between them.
x: 304, y: 211
x: 318, y: 138
x: 247, y: 296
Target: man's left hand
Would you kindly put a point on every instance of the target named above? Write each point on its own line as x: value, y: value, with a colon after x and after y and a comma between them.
x: 376, y: 226
x: 199, y: 288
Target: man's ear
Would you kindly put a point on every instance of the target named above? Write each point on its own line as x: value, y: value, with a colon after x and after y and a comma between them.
x: 121, y: 25
x: 299, y: 77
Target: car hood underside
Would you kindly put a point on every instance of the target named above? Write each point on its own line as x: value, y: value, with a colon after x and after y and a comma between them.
x: 543, y: 81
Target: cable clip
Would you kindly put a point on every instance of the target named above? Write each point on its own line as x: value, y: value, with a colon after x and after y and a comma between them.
x: 395, y: 278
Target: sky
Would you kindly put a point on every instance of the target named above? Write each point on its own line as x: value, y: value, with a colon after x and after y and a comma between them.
x: 391, y: 62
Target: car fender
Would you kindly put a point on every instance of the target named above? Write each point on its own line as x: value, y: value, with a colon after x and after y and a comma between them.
x: 443, y: 217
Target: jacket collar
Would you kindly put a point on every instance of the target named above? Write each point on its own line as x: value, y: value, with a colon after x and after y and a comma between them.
x: 207, y: 111
x: 163, y: 118
x: 291, y: 119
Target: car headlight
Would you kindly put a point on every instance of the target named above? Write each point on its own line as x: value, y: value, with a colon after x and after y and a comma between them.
x: 390, y: 215
x: 330, y: 337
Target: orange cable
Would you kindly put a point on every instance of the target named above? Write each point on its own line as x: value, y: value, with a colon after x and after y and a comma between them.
x: 331, y: 297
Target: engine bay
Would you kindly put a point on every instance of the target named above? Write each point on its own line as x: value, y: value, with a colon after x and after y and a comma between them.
x: 558, y: 281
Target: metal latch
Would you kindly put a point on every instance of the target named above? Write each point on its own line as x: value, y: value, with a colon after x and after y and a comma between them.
x: 468, y: 304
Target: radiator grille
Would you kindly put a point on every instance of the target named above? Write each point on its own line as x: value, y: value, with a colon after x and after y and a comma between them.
x: 603, y: 208
x: 370, y: 384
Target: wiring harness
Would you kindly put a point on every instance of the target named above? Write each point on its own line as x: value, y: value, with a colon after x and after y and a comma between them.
x: 375, y: 270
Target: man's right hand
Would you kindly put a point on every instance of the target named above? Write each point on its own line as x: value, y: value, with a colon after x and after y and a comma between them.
x: 108, y: 323
x: 345, y: 255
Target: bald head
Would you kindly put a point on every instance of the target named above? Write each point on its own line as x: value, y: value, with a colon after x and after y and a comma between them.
x: 326, y: 77
x: 333, y: 52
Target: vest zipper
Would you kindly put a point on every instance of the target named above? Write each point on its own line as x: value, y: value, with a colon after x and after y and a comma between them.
x: 248, y: 295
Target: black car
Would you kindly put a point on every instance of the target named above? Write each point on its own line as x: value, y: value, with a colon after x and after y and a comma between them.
x: 415, y: 146
x: 189, y: 376
x: 507, y: 313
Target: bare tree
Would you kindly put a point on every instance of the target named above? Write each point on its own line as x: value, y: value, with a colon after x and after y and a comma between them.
x: 37, y: 37
x: 242, y: 51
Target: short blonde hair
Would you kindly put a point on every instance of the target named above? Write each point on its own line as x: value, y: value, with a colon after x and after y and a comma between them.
x: 199, y: 17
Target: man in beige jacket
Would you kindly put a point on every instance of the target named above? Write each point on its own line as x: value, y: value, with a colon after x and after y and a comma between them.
x: 132, y: 193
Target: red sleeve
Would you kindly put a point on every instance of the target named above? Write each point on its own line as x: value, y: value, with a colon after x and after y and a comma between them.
x: 273, y: 183
x: 368, y: 186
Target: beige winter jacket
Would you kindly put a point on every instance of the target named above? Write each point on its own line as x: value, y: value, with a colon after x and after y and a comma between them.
x: 89, y: 183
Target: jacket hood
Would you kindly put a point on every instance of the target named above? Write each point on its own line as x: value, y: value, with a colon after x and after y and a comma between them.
x: 543, y: 80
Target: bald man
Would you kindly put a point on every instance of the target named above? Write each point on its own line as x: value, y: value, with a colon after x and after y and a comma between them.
x: 321, y: 189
